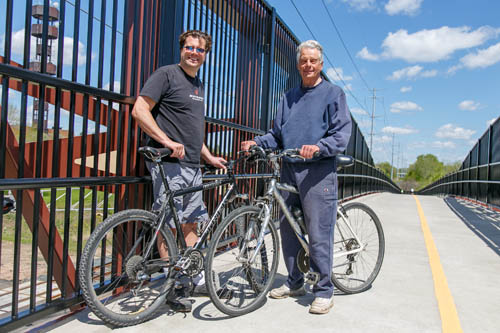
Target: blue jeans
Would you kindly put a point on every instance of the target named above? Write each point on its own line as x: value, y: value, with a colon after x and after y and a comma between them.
x: 317, y: 185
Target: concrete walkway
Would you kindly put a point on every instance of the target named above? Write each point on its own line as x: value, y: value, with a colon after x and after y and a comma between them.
x: 404, y: 297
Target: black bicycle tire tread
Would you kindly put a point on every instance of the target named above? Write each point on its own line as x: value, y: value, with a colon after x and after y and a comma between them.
x: 82, y: 274
x: 365, y: 286
x: 274, y: 266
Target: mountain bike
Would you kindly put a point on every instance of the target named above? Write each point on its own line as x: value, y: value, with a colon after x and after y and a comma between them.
x: 358, y: 249
x: 122, y: 276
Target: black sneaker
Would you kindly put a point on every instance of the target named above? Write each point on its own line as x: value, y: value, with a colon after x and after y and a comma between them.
x: 178, y: 300
x: 180, y: 305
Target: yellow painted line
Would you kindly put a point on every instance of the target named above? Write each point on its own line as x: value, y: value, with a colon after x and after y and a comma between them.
x: 449, y: 316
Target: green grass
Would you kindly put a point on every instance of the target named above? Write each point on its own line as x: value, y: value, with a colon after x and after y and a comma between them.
x: 8, y: 233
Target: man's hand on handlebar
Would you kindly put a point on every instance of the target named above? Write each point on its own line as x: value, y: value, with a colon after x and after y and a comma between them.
x: 308, y: 151
x: 245, y: 145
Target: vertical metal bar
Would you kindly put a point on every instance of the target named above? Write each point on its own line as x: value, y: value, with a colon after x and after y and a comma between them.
x: 233, y: 36
x: 133, y: 84
x: 154, y: 29
x: 71, y: 134
x: 38, y: 159
x: 195, y: 15
x: 267, y: 101
x: 121, y: 109
x: 56, y: 153
x: 97, y: 114
x: 83, y: 151
x: 488, y: 167
x: 110, y: 104
x: 188, y: 23
x: 4, y: 111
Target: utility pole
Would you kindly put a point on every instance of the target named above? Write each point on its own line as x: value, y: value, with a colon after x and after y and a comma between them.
x: 392, y: 157
x: 372, y: 118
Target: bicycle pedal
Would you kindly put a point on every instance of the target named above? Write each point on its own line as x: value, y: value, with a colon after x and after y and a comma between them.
x: 312, y: 278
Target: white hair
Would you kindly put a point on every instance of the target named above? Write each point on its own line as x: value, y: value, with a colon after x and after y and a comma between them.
x: 310, y: 44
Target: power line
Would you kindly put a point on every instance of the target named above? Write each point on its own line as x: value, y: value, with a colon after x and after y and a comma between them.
x: 345, y: 47
x: 331, y: 64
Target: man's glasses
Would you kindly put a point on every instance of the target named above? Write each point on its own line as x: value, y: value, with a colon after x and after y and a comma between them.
x: 197, y: 49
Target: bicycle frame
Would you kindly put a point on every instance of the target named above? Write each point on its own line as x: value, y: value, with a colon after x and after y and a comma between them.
x: 170, y: 195
x: 273, y: 195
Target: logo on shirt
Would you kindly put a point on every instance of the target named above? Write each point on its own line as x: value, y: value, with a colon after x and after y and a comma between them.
x: 196, y: 98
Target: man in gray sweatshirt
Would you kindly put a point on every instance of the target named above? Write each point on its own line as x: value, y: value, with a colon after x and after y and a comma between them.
x: 315, y: 118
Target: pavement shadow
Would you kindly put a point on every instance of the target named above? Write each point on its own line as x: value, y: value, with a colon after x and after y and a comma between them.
x: 484, y: 222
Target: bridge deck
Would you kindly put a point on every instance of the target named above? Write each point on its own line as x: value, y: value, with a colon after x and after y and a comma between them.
x: 410, y: 294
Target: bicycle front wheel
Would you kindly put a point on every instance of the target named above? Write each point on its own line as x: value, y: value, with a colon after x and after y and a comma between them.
x: 359, y: 246
x: 120, y: 283
x: 239, y: 271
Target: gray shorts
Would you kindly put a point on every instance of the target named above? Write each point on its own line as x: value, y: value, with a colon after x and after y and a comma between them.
x: 190, y: 207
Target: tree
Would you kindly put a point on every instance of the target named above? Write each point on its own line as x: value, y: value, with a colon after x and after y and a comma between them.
x: 385, y: 167
x: 425, y: 170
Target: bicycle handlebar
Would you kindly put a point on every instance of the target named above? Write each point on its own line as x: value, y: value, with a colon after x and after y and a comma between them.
x: 267, y: 154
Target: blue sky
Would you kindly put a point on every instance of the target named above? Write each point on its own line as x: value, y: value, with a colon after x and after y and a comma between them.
x: 435, y: 66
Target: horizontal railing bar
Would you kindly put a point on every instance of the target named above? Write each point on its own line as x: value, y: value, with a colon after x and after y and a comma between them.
x: 462, y: 181
x: 34, y: 183
x: 40, y: 78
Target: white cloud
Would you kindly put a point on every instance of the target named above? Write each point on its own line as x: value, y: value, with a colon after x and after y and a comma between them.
x: 482, y: 58
x: 68, y: 52
x: 361, y: 4
x: 382, y: 139
x: 490, y: 122
x: 398, y: 130
x: 398, y: 107
x: 364, y: 123
x: 337, y: 74
x: 468, y: 105
x: 359, y: 111
x: 405, y: 89
x: 444, y: 144
x: 432, y: 45
x: 451, y: 131
x: 408, y: 7
x: 411, y: 72
x: 18, y: 48
x: 367, y: 55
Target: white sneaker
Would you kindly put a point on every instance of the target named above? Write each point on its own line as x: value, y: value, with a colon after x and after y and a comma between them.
x: 284, y: 292
x: 321, y: 305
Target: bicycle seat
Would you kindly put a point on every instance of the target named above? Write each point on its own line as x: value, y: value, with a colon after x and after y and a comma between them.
x: 153, y: 153
x: 344, y: 161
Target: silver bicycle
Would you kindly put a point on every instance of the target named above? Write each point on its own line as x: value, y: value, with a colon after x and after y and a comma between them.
x: 358, y: 244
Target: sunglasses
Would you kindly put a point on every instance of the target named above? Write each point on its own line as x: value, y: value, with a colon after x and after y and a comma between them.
x: 192, y: 49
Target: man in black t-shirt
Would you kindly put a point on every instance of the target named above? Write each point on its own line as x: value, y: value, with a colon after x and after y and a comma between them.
x: 171, y: 111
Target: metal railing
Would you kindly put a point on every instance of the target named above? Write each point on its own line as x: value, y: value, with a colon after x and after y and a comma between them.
x: 67, y: 139
x: 479, y: 175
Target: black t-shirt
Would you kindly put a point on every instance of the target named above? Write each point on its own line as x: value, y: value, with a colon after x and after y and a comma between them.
x: 179, y: 109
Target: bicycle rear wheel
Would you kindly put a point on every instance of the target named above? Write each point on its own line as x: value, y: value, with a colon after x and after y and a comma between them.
x: 113, y: 262
x: 355, y: 272
x: 235, y: 285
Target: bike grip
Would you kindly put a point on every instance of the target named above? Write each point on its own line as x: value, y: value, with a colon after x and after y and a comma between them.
x: 316, y: 154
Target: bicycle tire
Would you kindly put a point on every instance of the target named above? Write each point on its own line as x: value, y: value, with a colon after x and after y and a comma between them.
x: 108, y: 277
x: 355, y: 273
x: 237, y: 288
